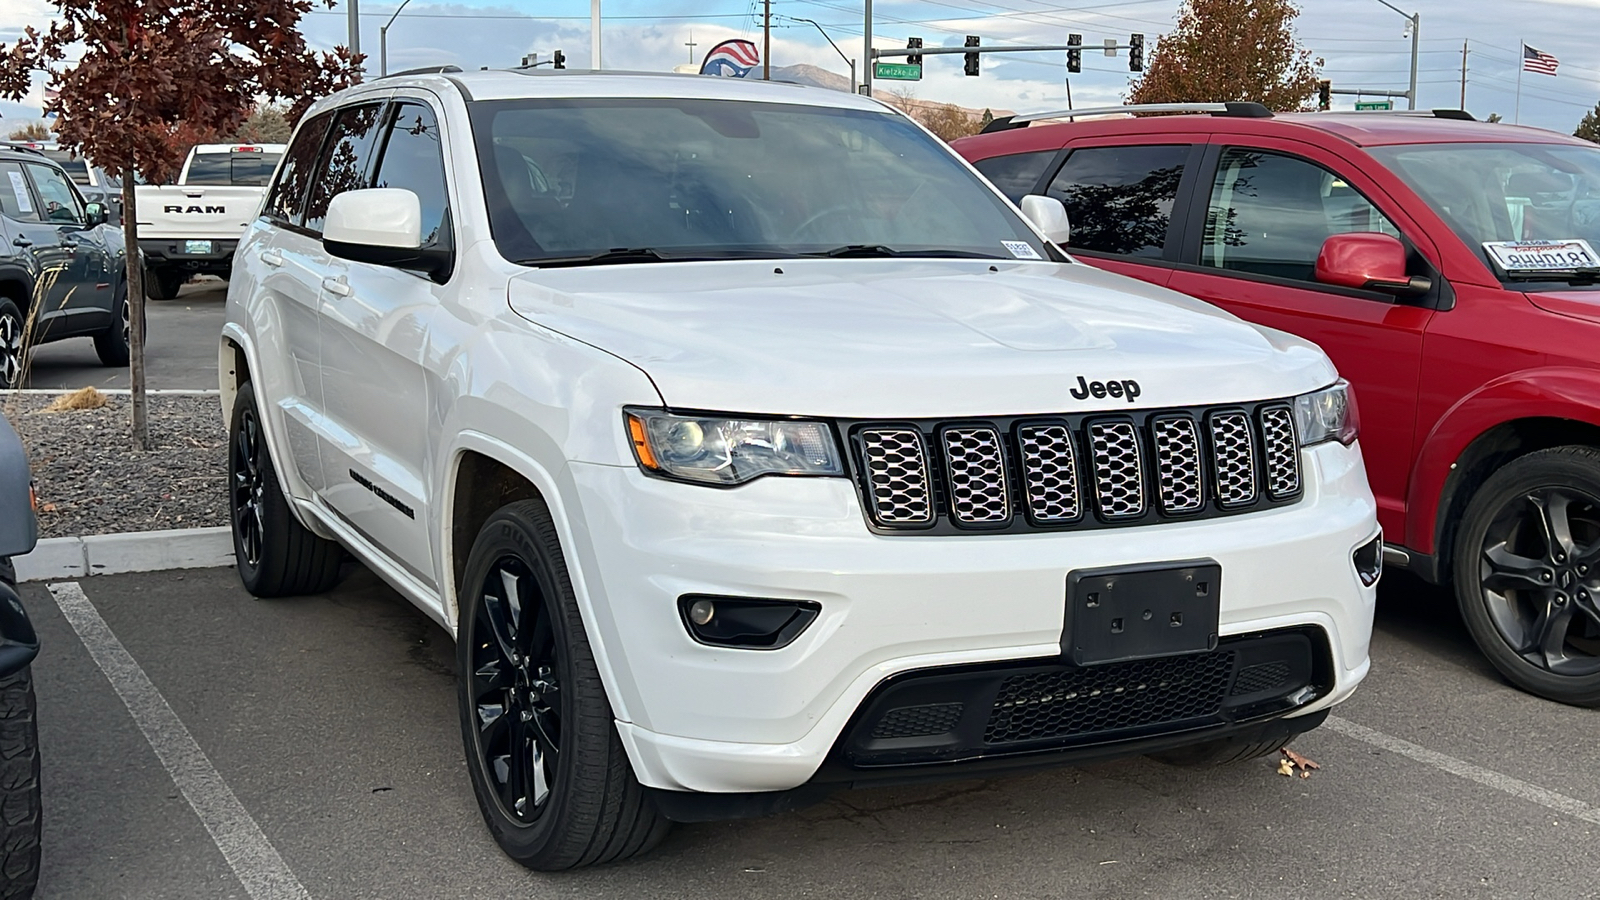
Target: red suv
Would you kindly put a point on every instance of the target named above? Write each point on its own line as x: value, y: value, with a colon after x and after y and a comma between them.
x: 1448, y: 268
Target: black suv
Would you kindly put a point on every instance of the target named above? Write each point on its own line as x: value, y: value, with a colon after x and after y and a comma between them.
x: 62, y: 271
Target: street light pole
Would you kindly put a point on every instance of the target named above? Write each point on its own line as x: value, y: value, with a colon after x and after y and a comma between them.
x: 353, y: 22
x: 848, y: 61
x: 1416, y: 33
x: 866, y: 53
x: 594, y: 33
x: 383, y: 41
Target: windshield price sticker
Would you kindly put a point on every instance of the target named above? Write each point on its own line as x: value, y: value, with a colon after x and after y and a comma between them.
x: 1021, y: 249
x: 1542, y: 256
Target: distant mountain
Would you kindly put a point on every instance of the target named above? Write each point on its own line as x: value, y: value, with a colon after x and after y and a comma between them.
x: 814, y: 76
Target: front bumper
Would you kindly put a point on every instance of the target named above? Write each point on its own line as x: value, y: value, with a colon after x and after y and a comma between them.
x: 702, y: 718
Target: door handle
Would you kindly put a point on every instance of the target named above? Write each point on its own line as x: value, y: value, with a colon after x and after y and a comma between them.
x: 271, y: 258
x: 20, y: 241
x: 336, y: 286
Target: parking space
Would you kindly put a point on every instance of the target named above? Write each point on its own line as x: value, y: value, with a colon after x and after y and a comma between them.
x: 181, y: 353
x: 331, y: 721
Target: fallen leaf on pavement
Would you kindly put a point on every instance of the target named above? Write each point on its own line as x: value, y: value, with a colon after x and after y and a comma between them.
x: 1293, y: 763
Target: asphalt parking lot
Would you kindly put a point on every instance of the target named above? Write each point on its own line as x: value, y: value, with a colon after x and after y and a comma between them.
x: 181, y: 352
x: 317, y: 738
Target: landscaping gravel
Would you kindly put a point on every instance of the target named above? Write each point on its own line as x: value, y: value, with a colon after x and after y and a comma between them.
x: 91, y: 480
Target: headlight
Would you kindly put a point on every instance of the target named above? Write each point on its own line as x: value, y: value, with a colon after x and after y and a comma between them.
x: 1327, y: 415
x: 712, y: 450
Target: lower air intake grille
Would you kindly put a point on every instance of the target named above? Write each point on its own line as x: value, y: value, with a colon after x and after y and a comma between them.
x: 1108, y: 698
x: 1260, y: 677
x: 918, y: 721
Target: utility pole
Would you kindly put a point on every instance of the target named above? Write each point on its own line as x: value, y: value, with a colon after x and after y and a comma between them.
x: 866, y: 52
x: 766, y: 41
x: 1463, y: 73
x: 353, y: 16
x: 594, y: 34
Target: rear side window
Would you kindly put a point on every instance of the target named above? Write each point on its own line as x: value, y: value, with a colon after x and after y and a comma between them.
x: 343, y: 165
x: 413, y: 158
x: 1119, y: 199
x: 16, y: 200
x: 1017, y: 174
x: 289, y: 193
x: 241, y: 168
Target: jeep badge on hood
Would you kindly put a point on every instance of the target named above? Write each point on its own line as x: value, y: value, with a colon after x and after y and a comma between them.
x: 1127, y: 387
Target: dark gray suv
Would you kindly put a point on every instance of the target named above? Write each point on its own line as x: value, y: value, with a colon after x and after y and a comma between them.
x: 61, y: 265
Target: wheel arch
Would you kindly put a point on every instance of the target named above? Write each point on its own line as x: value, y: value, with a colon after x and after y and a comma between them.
x: 1505, y: 419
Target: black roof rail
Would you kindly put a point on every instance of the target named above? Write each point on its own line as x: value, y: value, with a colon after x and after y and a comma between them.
x: 1457, y: 114
x: 424, y: 70
x: 1234, y: 109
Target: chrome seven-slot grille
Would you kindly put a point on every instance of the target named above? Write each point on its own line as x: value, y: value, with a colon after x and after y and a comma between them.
x: 1086, y: 471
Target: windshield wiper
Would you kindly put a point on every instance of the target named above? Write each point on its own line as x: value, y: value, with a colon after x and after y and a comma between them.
x: 864, y: 251
x: 605, y: 257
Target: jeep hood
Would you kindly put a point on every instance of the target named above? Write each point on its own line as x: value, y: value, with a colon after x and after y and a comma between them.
x: 912, y: 338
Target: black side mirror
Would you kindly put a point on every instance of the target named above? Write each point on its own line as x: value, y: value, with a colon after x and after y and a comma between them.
x: 95, y: 214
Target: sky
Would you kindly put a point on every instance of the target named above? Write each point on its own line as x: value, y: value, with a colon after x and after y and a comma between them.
x: 1361, y: 42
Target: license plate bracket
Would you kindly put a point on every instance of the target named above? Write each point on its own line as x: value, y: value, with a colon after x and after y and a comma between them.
x: 1121, y: 613
x: 196, y: 247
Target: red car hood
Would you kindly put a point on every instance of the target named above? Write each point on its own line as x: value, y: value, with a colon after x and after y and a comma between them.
x: 1577, y: 304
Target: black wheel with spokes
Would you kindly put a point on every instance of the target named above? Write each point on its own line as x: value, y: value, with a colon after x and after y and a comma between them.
x: 550, y: 773
x: 112, y: 344
x: 1527, y: 573
x: 13, y: 331
x: 276, y: 555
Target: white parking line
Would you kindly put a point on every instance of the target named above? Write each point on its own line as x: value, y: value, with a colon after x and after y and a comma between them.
x: 1486, y: 777
x: 261, y: 870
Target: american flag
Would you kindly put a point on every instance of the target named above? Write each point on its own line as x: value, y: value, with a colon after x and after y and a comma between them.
x: 1538, y: 61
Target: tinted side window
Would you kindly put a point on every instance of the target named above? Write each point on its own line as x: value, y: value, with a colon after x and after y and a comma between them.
x: 1119, y: 199
x: 1269, y: 214
x: 288, y: 194
x: 343, y: 166
x: 414, y: 159
x: 61, y: 203
x: 16, y: 200
x: 1015, y: 175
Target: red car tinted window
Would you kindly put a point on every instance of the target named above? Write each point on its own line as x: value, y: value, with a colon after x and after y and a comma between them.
x: 1119, y: 199
x: 1017, y: 174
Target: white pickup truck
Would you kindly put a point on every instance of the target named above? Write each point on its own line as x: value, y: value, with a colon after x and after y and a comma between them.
x: 193, y: 226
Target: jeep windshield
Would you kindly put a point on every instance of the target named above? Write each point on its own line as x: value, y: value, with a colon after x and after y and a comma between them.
x: 595, y: 181
x: 1504, y: 193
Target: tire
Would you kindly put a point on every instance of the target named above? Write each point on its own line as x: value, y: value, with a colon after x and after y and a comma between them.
x: 592, y: 809
x: 20, y: 807
x: 1532, y: 602
x: 163, y: 284
x: 276, y: 555
x: 112, y: 344
x: 13, y: 349
x: 8, y: 573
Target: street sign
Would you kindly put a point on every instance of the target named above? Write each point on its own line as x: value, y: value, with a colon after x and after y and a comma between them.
x: 1374, y: 104
x: 897, y: 71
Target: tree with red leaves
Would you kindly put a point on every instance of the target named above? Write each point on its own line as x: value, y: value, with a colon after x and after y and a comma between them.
x: 1230, y: 50
x: 154, y: 77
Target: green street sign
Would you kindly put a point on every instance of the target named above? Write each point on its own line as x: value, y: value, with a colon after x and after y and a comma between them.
x: 897, y: 71
x: 1374, y: 104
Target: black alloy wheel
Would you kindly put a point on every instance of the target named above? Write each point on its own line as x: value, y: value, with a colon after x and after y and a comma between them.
x: 113, y: 344
x: 549, y: 771
x: 13, y: 328
x: 248, y: 484
x: 1540, y: 575
x: 516, y: 689
x: 1528, y: 573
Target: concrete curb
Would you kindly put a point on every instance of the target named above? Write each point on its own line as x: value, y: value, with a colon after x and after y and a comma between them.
x: 138, y: 551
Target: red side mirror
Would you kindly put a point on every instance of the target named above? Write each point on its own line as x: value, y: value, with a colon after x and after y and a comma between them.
x: 1367, y: 260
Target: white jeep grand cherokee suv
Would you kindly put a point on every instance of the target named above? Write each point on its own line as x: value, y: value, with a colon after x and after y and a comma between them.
x: 752, y: 446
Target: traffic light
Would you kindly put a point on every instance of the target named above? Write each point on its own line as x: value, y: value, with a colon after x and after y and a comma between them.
x: 1324, y: 95
x: 915, y: 43
x: 1135, y: 53
x: 970, y: 59
x: 1074, y: 55
x: 560, y: 60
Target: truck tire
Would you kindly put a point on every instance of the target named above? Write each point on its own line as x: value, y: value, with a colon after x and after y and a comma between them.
x: 112, y: 344
x: 276, y: 555
x: 163, y: 284
x: 20, y: 806
x: 550, y: 773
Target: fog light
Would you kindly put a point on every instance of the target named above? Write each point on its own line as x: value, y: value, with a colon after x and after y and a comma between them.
x: 748, y: 623
x: 1368, y: 560
x: 701, y: 611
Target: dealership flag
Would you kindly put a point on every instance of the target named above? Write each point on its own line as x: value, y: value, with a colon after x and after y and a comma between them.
x: 733, y: 59
x: 1538, y: 61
